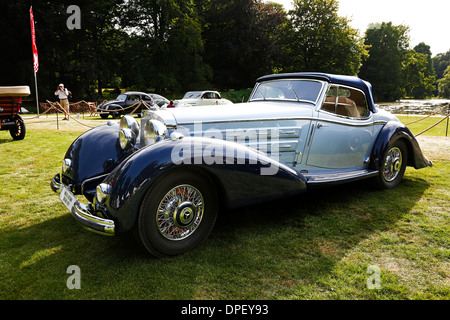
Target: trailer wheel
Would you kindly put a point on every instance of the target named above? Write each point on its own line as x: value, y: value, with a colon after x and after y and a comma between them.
x: 18, y: 132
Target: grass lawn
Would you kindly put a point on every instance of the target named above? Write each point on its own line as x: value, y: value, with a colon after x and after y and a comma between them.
x: 322, y: 245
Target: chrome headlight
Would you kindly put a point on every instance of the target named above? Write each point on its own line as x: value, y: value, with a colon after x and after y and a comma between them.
x: 128, y: 122
x: 103, y: 190
x: 154, y: 131
x: 127, y: 138
x: 66, y: 166
x: 129, y: 130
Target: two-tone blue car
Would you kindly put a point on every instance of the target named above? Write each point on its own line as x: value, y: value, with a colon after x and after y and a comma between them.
x: 166, y: 177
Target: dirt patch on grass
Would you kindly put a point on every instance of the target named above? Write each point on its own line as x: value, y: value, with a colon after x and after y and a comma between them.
x: 435, y: 147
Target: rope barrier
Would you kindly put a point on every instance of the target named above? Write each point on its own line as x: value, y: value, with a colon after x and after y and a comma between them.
x: 48, y: 110
x: 431, y: 114
x: 56, y: 106
x: 434, y: 125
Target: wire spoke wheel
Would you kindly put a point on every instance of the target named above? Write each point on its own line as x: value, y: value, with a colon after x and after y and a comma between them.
x: 177, y: 213
x: 392, y: 164
x: 180, y: 212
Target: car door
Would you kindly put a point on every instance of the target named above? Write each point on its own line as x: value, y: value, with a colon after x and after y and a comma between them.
x: 342, y: 136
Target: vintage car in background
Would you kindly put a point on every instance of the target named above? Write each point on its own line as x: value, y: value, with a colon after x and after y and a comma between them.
x: 159, y: 99
x: 201, y: 98
x: 10, y: 107
x: 125, y: 103
x: 166, y: 178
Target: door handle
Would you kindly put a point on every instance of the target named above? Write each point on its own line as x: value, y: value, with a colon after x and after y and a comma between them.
x: 320, y: 125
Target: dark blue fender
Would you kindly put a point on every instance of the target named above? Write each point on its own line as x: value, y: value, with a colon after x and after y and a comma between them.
x: 391, y: 132
x: 241, y: 175
x: 94, y: 154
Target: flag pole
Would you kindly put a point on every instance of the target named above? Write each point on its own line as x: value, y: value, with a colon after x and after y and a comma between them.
x: 37, y: 97
x: 35, y: 57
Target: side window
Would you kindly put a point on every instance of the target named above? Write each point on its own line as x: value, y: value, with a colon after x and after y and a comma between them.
x: 346, y: 102
x: 134, y: 98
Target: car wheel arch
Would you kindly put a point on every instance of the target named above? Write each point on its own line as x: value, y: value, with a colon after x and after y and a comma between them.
x: 390, y: 133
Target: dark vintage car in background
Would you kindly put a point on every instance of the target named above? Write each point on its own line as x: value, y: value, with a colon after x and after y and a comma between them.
x: 125, y: 103
x: 166, y: 177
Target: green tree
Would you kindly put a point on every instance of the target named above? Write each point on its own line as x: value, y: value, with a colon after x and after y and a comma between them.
x: 444, y: 84
x: 320, y: 40
x: 241, y: 39
x: 166, y: 44
x: 425, y: 87
x: 441, y: 62
x: 418, y: 79
x: 384, y: 67
x: 83, y: 59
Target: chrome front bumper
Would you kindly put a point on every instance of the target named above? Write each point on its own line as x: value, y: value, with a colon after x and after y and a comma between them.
x: 82, y: 213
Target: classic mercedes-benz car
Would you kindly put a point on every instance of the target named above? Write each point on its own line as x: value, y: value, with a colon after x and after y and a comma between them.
x: 125, y: 103
x: 201, y: 98
x: 167, y: 177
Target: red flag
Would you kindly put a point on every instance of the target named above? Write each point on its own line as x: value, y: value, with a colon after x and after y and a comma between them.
x: 33, y: 41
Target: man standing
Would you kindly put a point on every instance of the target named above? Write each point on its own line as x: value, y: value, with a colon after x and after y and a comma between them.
x: 63, y: 95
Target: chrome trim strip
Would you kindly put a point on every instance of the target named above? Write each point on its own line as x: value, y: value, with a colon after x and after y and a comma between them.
x: 303, y: 118
x: 336, y: 179
x: 99, y: 178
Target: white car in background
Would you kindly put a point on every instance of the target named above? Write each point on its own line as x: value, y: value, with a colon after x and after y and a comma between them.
x: 201, y: 98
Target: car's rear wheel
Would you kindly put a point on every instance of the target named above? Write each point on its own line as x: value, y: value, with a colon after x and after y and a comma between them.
x: 19, y: 131
x: 177, y: 214
x: 393, y: 165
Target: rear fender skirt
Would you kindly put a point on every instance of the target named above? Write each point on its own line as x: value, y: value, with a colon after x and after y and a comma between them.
x: 241, y: 175
x: 391, y: 132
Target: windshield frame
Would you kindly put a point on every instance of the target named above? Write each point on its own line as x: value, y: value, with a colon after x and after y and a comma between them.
x: 296, y: 99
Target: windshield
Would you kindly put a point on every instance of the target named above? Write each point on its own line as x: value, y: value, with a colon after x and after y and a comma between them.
x: 121, y: 97
x: 292, y: 90
x: 193, y: 95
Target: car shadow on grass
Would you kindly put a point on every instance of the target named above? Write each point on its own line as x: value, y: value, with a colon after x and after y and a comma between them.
x: 256, y: 252
x: 301, y: 238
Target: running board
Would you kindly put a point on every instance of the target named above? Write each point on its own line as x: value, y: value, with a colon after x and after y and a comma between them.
x: 316, y: 180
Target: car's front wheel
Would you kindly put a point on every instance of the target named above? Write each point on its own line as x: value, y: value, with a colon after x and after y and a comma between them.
x: 393, y: 165
x: 177, y: 214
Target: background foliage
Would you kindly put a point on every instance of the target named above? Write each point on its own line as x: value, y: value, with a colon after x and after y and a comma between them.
x: 171, y: 46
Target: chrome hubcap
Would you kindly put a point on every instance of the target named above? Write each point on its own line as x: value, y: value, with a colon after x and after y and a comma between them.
x: 392, y: 164
x: 180, y: 212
